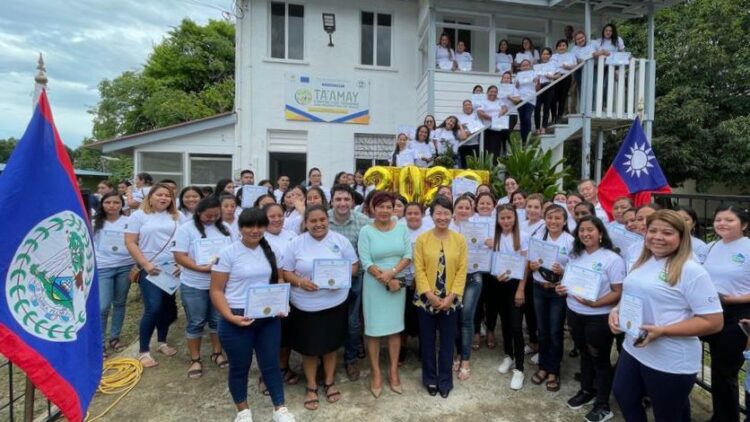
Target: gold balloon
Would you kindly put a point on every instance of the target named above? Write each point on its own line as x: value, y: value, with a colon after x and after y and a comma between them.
x: 438, y: 176
x: 379, y: 176
x: 410, y: 183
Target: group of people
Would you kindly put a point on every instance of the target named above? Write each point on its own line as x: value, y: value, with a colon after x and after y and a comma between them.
x: 416, y: 272
x: 521, y: 96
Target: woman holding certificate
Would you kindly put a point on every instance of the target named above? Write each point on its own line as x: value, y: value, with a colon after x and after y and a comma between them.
x: 149, y: 237
x: 424, y: 150
x: 385, y: 252
x: 543, y: 109
x: 511, y: 246
x: 728, y: 263
x: 440, y: 260
x: 319, y: 265
x: 527, y: 83
x: 593, y: 284
x: 196, y: 249
x: 509, y: 96
x: 414, y: 215
x: 668, y: 301
x: 402, y: 155
x: 247, y: 269
x: 548, y: 253
x: 490, y: 110
x: 114, y: 263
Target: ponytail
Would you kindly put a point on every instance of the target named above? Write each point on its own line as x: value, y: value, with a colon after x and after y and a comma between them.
x: 271, y: 257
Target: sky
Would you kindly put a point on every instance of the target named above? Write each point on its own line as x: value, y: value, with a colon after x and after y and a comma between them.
x: 83, y: 42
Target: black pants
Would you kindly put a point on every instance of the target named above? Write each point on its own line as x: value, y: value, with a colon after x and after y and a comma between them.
x: 562, y: 90
x: 543, y: 107
x: 593, y: 339
x: 493, y: 142
x: 726, y: 349
x: 466, y: 151
x: 488, y: 306
x: 505, y: 134
x: 529, y: 312
x: 511, y: 320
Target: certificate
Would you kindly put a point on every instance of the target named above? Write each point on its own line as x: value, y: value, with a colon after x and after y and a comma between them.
x: 544, y: 69
x: 582, y: 282
x: 543, y: 252
x: 207, y: 250
x: 476, y: 234
x: 112, y: 241
x: 332, y: 273
x: 520, y: 57
x: 585, y: 53
x: 505, y: 91
x: 500, y: 122
x: 479, y: 260
x: 465, y: 66
x: 622, y: 238
x: 267, y: 301
x: 251, y: 193
x: 526, y: 77
x: 405, y: 158
x: 510, y: 264
x: 165, y: 280
x: 617, y: 59
x: 461, y: 185
x: 474, y: 126
x: 503, y: 67
x: 445, y: 65
x: 478, y: 99
x: 631, y: 314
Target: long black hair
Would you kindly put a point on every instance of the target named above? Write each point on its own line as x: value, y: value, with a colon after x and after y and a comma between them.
x: 254, y: 217
x: 211, y: 201
x: 615, y: 38
x: 100, y: 214
x: 605, y: 243
x: 185, y: 190
x: 220, y: 185
x: 695, y: 231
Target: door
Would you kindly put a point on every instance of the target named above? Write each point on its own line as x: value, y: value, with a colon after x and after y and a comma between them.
x: 289, y: 163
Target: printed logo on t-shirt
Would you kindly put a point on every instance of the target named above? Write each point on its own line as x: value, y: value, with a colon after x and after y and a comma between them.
x: 563, y: 250
x: 738, y: 258
x: 597, y: 266
x: 663, y: 276
x: 334, y: 248
x: 126, y: 226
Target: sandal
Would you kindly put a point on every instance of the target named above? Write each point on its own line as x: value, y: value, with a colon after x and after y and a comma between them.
x: 223, y: 363
x: 330, y: 396
x: 115, y: 345
x: 464, y: 373
x: 313, y: 403
x: 456, y: 365
x: 147, y: 361
x: 262, y: 387
x: 166, y: 349
x: 553, y: 382
x: 475, y: 342
x: 195, y: 373
x: 290, y: 377
x: 539, y: 377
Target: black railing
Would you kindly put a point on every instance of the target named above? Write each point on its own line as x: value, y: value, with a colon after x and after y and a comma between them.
x: 15, y: 402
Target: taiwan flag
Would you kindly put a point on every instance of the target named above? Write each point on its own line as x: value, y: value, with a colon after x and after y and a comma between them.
x: 50, y: 325
x: 634, y: 173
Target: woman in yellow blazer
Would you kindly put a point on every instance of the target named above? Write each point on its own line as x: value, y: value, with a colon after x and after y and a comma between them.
x: 440, y: 261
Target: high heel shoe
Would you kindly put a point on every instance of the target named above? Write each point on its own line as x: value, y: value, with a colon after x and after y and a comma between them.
x: 395, y: 388
x: 376, y: 391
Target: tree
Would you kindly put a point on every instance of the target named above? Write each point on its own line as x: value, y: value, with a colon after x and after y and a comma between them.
x: 6, y: 148
x: 189, y: 75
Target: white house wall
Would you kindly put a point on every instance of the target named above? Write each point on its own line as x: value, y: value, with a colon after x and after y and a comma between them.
x: 214, y: 141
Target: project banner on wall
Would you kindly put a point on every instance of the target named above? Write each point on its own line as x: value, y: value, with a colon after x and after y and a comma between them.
x: 313, y: 99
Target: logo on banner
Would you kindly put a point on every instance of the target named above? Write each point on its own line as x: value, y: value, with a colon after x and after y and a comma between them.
x: 303, y: 96
x: 50, y: 277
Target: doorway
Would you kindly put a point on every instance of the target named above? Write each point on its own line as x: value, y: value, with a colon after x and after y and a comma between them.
x: 291, y: 164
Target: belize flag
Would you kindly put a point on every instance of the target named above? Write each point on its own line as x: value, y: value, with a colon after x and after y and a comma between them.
x: 634, y: 173
x: 49, y: 305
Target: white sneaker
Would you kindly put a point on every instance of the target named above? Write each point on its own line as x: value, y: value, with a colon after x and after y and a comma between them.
x: 505, y: 365
x: 516, y: 383
x: 483, y: 330
x: 244, y: 416
x: 535, y: 359
x: 282, y: 415
x: 527, y: 349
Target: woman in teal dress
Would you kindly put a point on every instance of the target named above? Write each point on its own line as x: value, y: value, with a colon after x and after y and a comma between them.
x: 384, y: 251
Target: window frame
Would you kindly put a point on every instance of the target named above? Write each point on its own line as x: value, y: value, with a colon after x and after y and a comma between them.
x: 392, y: 47
x: 207, y: 157
x: 269, y: 56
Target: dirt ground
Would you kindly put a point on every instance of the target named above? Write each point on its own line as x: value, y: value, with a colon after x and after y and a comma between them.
x: 166, y: 394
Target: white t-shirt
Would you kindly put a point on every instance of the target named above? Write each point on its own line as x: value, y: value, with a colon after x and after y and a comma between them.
x: 601, y: 213
x: 155, y: 231
x: 664, y: 305
x: 299, y: 256
x: 504, y: 60
x: 564, y: 243
x: 728, y: 264
x: 422, y: 150
x: 464, y: 119
x: 463, y: 59
x: 246, y: 267
x: 532, y: 56
x: 186, y: 240
x: 293, y: 222
x: 116, y: 255
x: 443, y: 54
x: 140, y: 194
x: 491, y: 108
x: 279, y: 242
x: 700, y: 249
x: 563, y: 59
x: 443, y: 137
x: 506, y: 243
x: 413, y: 235
x: 530, y: 228
x: 507, y: 102
x: 277, y: 193
x: 504, y: 200
x: 612, y: 268
x: 234, y: 228
x: 606, y: 45
x: 185, y: 217
x: 527, y: 91
x: 631, y: 255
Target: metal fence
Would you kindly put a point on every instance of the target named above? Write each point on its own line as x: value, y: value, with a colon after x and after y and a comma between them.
x: 17, y: 400
x: 705, y: 206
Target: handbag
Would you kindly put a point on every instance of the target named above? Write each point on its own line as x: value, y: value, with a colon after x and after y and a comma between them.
x: 136, y: 270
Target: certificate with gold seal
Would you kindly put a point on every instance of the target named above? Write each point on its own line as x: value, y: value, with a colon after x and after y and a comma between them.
x: 267, y: 301
x: 332, y: 273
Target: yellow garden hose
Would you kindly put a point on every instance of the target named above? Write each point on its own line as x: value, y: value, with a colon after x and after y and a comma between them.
x: 120, y: 375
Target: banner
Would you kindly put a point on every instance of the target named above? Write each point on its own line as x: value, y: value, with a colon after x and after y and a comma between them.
x: 313, y: 99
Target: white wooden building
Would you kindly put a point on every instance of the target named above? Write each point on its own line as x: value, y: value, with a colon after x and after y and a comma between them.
x: 301, y: 102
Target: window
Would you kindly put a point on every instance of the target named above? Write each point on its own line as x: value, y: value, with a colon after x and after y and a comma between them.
x: 287, y: 31
x: 376, y: 39
x: 371, y: 149
x: 208, y: 169
x: 162, y: 165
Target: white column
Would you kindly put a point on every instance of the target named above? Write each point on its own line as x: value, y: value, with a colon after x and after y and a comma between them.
x: 244, y: 155
x: 586, y: 101
x: 648, y: 114
x: 599, y: 156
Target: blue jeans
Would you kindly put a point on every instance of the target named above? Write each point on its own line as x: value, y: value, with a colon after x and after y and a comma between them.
x: 353, y: 344
x: 264, y: 337
x: 438, y: 370
x: 550, y: 316
x: 472, y: 290
x: 113, y: 292
x: 525, y: 112
x: 155, y: 313
x: 199, y: 311
x: 669, y: 393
